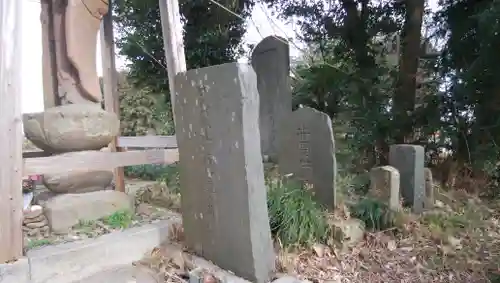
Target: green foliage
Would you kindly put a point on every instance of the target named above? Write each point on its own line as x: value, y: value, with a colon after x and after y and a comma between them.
x: 171, y: 178
x: 151, y: 172
x: 167, y: 174
x: 119, y: 219
x: 164, y: 119
x: 294, y: 217
x: 136, y: 109
x: 212, y: 36
x: 375, y: 214
x: 38, y: 243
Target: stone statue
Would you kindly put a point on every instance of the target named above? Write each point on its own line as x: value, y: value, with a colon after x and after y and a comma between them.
x: 73, y: 120
x: 69, y: 31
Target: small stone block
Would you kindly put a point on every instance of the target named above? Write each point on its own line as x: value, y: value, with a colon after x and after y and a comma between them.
x: 429, y: 189
x: 200, y: 275
x: 384, y: 185
x: 33, y: 212
x: 409, y: 160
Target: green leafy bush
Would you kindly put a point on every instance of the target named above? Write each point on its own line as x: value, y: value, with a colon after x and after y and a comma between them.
x: 151, y: 172
x: 167, y: 174
x: 294, y: 217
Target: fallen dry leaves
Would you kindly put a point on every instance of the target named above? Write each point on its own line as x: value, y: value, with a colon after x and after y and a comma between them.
x: 459, y: 241
x: 460, y: 244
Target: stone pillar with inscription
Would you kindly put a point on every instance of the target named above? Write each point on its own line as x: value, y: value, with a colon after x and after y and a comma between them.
x: 223, y: 198
x: 271, y: 62
x: 308, y: 152
x: 408, y: 159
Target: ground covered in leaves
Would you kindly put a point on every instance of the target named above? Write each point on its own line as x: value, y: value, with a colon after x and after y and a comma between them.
x: 458, y: 241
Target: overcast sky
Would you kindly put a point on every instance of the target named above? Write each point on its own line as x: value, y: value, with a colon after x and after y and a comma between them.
x: 262, y: 24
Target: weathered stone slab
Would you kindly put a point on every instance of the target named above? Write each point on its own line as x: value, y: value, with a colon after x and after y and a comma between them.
x: 308, y: 152
x: 74, y: 261
x: 15, y: 272
x: 73, y: 127
x: 224, y: 207
x: 409, y: 160
x: 65, y: 211
x: 429, y: 189
x: 384, y: 185
x: 347, y: 233
x: 271, y: 62
x: 78, y: 181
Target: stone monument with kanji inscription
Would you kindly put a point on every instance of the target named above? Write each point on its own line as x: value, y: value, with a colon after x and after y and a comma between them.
x: 308, y: 152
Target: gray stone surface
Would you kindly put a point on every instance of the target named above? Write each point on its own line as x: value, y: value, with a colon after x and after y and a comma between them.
x: 348, y: 232
x: 120, y: 274
x: 106, y: 259
x: 429, y: 189
x: 288, y: 279
x: 308, y: 152
x: 16, y: 272
x: 225, y: 215
x: 77, y: 260
x: 146, y: 275
x: 71, y: 128
x: 65, y: 211
x: 271, y: 62
x: 78, y: 181
x: 384, y: 185
x: 409, y: 160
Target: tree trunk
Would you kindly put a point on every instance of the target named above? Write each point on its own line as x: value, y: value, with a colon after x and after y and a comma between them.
x: 404, y: 100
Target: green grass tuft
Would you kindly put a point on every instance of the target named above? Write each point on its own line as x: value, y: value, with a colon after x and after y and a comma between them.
x: 38, y: 243
x: 295, y: 219
x: 376, y: 214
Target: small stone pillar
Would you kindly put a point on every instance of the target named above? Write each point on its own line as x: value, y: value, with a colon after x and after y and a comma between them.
x: 429, y: 189
x: 384, y: 185
x: 409, y: 161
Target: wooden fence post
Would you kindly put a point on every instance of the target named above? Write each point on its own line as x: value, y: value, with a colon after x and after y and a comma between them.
x: 173, y: 44
x: 110, y: 83
x: 11, y: 162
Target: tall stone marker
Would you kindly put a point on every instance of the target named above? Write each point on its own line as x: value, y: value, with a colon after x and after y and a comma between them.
x: 308, y: 152
x: 409, y: 160
x: 271, y: 62
x: 223, y: 197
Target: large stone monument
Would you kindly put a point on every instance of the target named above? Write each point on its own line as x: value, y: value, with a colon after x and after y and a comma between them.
x: 73, y: 119
x: 271, y: 62
x: 308, y: 152
x: 223, y: 199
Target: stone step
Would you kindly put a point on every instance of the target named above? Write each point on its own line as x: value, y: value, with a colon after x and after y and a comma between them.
x: 119, y: 274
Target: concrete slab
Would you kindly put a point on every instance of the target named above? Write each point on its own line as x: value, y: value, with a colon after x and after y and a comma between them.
x: 73, y: 261
x: 120, y: 274
x: 16, y: 272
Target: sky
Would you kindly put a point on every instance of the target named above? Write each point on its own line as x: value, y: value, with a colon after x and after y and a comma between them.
x: 261, y: 25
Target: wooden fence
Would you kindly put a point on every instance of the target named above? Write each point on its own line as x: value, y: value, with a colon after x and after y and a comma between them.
x: 155, y: 150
